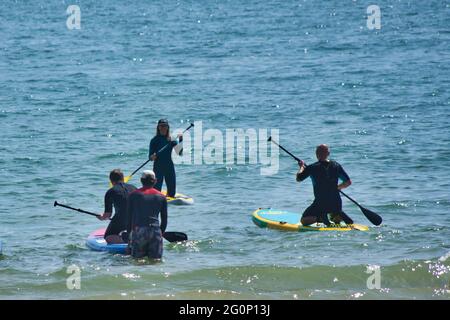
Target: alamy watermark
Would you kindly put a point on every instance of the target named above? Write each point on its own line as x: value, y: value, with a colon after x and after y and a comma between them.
x: 74, y: 280
x: 373, y: 17
x: 233, y: 146
x: 373, y: 281
x: 74, y: 19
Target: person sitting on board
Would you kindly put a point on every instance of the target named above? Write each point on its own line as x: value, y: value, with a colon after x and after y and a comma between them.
x: 144, y: 207
x: 116, y: 196
x: 162, y: 163
x: 325, y: 175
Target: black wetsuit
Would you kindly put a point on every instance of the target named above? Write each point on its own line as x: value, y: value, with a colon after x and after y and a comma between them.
x: 117, y: 196
x: 325, y: 176
x: 163, y: 165
x: 144, y: 207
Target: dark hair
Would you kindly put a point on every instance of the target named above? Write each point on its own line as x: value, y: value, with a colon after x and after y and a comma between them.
x: 322, y: 152
x: 116, y: 175
x: 168, y: 131
x: 148, y: 181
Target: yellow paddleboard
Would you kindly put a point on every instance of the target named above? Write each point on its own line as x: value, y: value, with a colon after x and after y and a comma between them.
x: 179, y: 199
x: 290, y: 221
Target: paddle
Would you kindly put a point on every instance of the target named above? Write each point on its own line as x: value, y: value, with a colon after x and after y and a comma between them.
x: 79, y: 210
x: 127, y: 178
x: 370, y: 215
x: 169, y: 236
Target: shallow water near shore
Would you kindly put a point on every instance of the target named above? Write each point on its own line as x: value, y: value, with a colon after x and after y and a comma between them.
x: 75, y: 104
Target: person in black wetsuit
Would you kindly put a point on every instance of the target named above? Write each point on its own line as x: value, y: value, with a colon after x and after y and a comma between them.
x: 144, y: 207
x: 116, y: 196
x: 162, y: 163
x: 325, y: 175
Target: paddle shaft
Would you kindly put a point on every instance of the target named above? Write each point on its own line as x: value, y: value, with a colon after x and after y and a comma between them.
x: 75, y: 209
x: 139, y: 167
x: 282, y: 148
x: 349, y: 198
x: 160, y: 150
x: 169, y: 236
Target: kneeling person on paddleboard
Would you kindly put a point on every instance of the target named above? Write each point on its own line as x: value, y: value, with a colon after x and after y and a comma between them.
x: 144, y: 207
x: 325, y: 175
x: 116, y: 196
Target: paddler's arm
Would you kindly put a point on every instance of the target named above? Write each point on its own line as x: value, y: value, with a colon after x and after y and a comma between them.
x: 152, y: 150
x: 105, y: 216
x: 344, y: 184
x: 108, y: 206
x: 303, y: 171
x: 178, y: 140
x: 164, y: 216
x: 344, y: 177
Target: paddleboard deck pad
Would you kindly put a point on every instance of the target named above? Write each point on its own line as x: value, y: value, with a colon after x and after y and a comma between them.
x: 179, y: 199
x: 290, y: 221
x: 96, y: 242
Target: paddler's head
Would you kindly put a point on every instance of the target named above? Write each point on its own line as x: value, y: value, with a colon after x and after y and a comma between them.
x: 322, y: 152
x: 163, y: 128
x: 115, y: 176
x: 148, y: 178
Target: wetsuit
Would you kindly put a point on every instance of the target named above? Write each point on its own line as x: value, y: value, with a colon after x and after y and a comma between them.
x: 325, y: 176
x: 144, y: 207
x: 117, y: 196
x: 163, y: 165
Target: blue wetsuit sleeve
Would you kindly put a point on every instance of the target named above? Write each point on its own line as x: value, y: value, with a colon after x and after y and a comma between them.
x: 305, y: 174
x: 109, y: 201
x: 174, y: 142
x: 164, y: 215
x: 342, y: 174
x: 152, y: 147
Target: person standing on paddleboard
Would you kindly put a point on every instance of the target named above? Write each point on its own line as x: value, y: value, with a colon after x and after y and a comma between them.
x: 325, y: 175
x: 162, y: 162
x: 144, y: 207
x: 116, y: 196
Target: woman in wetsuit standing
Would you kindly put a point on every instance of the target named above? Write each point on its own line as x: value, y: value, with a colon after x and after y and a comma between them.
x: 162, y: 161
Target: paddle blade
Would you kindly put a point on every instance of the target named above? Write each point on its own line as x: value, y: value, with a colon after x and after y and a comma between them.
x: 127, y: 178
x: 175, y: 236
x: 372, y: 216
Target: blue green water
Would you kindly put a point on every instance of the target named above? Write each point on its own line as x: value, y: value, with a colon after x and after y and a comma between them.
x: 75, y: 104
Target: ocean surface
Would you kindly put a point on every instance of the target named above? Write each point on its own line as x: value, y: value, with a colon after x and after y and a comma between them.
x: 75, y: 104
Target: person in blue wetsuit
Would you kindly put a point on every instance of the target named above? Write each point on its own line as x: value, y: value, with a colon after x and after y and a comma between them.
x: 325, y: 175
x: 162, y: 162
